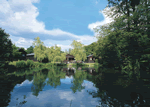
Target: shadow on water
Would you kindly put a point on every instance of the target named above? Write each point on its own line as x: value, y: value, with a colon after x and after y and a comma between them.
x: 116, y: 89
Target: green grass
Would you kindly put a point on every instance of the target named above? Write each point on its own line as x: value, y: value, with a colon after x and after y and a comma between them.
x: 83, y: 64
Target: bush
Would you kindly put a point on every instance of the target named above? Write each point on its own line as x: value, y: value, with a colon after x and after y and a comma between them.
x: 61, y: 64
x: 37, y: 64
x: 13, y: 63
x: 80, y: 64
x: 20, y: 64
x: 29, y: 63
x: 96, y: 60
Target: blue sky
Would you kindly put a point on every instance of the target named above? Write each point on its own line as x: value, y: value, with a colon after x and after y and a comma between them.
x: 54, y: 21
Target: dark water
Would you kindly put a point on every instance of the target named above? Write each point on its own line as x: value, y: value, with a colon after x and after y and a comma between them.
x: 74, y: 87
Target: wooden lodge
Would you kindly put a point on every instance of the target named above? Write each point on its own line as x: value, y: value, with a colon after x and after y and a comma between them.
x: 90, y: 59
x: 69, y: 58
x: 31, y: 57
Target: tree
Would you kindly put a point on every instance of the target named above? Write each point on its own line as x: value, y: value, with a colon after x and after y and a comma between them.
x: 90, y: 49
x: 17, y: 52
x: 78, y: 51
x: 63, y: 56
x: 123, y: 7
x: 70, y: 50
x: 5, y: 48
x: 30, y: 50
x: 54, y: 53
x: 39, y: 49
x: 122, y: 40
x: 23, y: 53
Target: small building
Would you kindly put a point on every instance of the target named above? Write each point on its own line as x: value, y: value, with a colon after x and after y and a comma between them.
x: 90, y: 59
x: 31, y: 57
x: 69, y: 58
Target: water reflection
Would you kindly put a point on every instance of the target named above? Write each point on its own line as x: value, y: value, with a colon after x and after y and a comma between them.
x: 116, y: 89
x: 78, y: 86
x: 55, y: 89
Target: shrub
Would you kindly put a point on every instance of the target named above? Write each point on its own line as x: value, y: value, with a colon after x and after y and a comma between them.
x: 80, y: 64
x: 61, y: 64
x: 29, y: 63
x: 20, y: 64
x: 49, y: 64
x: 96, y: 60
x: 13, y: 63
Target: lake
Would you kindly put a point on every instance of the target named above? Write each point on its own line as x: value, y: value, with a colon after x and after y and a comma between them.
x: 74, y: 87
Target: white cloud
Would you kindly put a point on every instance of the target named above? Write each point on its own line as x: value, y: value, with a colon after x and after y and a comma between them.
x: 21, y: 42
x: 66, y: 95
x: 100, y: 23
x: 26, y: 82
x: 19, y: 17
x: 96, y: 2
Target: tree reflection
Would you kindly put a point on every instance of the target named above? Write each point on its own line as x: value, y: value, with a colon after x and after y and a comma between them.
x: 78, y: 80
x: 54, y: 76
x: 38, y: 83
x: 7, y: 84
x: 116, y: 89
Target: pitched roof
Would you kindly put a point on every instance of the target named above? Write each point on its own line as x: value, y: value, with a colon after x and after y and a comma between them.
x: 30, y: 54
x: 69, y: 56
x: 90, y: 55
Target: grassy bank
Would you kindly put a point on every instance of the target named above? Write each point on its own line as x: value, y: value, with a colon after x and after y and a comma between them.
x: 83, y: 64
x: 30, y: 64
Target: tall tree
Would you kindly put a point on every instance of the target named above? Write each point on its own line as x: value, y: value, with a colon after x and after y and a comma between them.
x: 30, y: 50
x: 54, y: 53
x: 23, y: 53
x: 90, y: 49
x: 16, y: 54
x: 78, y: 51
x: 39, y: 49
x: 123, y: 7
x: 5, y: 48
x: 118, y: 38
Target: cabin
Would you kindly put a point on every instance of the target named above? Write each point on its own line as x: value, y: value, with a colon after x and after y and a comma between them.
x: 31, y: 57
x: 90, y: 59
x: 69, y: 58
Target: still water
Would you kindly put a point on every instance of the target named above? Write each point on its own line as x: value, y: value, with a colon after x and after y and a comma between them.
x: 74, y: 87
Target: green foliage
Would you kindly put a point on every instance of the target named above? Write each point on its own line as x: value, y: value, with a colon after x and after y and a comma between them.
x: 38, y: 83
x: 96, y: 60
x: 39, y: 50
x: 81, y: 64
x: 5, y: 48
x: 90, y: 49
x: 29, y: 63
x: 30, y: 50
x: 20, y: 64
x: 78, y: 52
x: 125, y: 41
x: 16, y: 53
x: 78, y: 80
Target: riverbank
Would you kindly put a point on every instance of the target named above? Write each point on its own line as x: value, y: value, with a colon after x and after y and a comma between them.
x: 32, y: 64
x: 83, y: 64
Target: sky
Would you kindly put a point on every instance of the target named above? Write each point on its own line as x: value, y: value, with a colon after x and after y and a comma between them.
x: 54, y: 21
